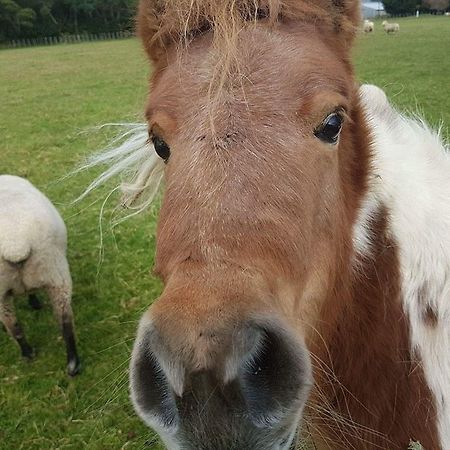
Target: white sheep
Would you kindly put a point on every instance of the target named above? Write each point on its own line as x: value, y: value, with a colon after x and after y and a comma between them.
x: 33, y: 243
x: 391, y: 27
x: 368, y: 26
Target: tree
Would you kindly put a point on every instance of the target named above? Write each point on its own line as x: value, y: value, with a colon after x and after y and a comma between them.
x: 14, y: 18
x: 400, y: 7
x: 36, y: 18
x: 436, y: 5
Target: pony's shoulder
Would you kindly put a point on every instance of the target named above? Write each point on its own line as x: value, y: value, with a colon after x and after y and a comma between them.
x: 411, y: 180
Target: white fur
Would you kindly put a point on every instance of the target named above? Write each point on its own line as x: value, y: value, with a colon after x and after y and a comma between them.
x: 391, y: 27
x: 132, y: 155
x: 368, y: 26
x: 411, y: 177
x: 31, y: 230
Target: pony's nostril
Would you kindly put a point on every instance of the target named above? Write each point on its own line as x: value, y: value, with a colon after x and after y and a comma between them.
x: 151, y: 392
x: 275, y: 378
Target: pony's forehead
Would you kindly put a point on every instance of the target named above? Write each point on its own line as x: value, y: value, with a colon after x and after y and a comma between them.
x: 270, y: 66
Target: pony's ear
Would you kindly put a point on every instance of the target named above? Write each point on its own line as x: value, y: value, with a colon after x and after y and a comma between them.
x: 351, y: 9
x: 346, y: 18
x: 340, y: 17
x: 148, y: 23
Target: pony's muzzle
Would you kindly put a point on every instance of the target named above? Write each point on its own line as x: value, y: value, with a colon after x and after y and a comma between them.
x: 256, y: 376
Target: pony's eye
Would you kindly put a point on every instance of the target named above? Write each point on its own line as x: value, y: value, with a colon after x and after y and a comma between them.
x: 161, y: 147
x: 330, y: 129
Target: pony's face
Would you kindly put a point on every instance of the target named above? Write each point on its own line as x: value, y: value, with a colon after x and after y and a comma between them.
x: 253, y: 227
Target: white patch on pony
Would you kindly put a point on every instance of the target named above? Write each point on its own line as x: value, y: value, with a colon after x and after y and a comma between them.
x: 361, y: 229
x: 411, y: 177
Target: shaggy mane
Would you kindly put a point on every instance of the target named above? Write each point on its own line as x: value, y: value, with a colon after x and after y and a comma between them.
x: 162, y: 23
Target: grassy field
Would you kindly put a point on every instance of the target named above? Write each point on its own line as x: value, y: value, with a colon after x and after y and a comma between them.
x: 49, y: 96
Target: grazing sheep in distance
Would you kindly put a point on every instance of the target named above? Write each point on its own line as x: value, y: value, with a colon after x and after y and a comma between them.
x: 33, y: 243
x: 368, y: 26
x: 391, y: 27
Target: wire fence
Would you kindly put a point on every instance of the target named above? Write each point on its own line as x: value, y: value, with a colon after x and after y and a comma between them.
x: 67, y: 39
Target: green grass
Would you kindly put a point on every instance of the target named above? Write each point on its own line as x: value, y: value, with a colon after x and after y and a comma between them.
x: 48, y: 96
x: 412, y: 66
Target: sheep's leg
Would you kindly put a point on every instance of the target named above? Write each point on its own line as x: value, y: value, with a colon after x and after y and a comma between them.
x: 9, y: 320
x: 61, y: 301
x: 34, y: 302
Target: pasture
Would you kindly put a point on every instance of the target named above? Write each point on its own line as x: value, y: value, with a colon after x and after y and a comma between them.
x: 49, y: 97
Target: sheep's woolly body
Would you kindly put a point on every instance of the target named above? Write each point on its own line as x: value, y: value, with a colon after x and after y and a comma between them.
x: 368, y: 26
x: 32, y: 234
x: 391, y: 27
x: 33, y: 244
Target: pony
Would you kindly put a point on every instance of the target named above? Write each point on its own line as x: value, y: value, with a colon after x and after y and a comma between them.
x: 303, y: 238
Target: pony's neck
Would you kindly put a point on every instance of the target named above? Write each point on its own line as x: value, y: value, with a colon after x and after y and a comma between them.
x: 372, y: 389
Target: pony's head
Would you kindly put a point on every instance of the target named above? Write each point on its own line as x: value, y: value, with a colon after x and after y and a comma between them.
x: 255, y: 112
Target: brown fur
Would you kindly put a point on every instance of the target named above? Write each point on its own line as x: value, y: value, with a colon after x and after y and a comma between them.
x: 257, y: 213
x: 430, y: 317
x: 366, y: 371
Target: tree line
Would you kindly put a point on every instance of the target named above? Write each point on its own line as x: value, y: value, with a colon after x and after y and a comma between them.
x: 37, y: 18
x: 408, y: 7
